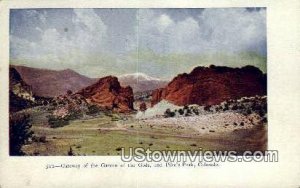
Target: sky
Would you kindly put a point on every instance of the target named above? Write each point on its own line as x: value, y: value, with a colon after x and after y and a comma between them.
x: 159, y: 42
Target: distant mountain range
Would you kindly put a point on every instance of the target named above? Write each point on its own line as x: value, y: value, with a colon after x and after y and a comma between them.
x: 50, y: 83
x: 203, y: 86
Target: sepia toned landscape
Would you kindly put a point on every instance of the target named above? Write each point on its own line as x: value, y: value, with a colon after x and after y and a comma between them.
x: 165, y: 79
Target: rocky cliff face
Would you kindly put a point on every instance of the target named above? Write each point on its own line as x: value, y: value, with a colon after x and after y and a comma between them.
x: 20, y: 93
x: 212, y: 85
x: 107, y: 93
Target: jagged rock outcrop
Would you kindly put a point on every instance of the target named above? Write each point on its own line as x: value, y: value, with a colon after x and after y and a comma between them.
x: 20, y: 93
x: 212, y: 85
x: 107, y: 93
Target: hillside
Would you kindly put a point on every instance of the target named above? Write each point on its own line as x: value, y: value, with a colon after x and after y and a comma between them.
x: 50, y: 83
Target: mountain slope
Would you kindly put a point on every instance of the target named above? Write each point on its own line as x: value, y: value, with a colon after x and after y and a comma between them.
x: 141, y: 82
x: 50, y: 83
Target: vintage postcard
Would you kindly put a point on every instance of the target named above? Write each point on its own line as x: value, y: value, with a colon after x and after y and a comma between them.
x: 94, y: 81
x: 143, y: 88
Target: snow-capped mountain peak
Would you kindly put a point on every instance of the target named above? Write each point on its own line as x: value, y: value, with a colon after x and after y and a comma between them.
x: 139, y: 76
x: 141, y: 82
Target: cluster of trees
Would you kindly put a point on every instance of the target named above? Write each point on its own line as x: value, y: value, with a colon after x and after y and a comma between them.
x: 185, y: 111
x: 59, y: 121
x: 19, y: 133
x: 245, y: 106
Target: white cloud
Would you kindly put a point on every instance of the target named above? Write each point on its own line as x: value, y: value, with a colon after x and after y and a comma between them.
x: 90, y: 19
x: 163, y: 35
x: 184, y: 36
x: 39, y: 29
x: 60, y: 50
x: 90, y: 31
x: 163, y: 22
x: 83, y: 42
x: 230, y: 30
x: 233, y: 29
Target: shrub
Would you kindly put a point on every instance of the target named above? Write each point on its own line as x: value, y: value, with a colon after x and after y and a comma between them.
x: 207, y: 108
x: 19, y: 133
x: 196, y: 111
x: 234, y: 107
x: 93, y: 110
x: 69, y: 92
x: 169, y: 113
x: 188, y: 112
x: 261, y: 113
x: 248, y: 112
x: 74, y: 115
x: 264, y: 120
x: 35, y: 138
x: 56, y: 122
x: 226, y: 107
x: 242, y: 107
x: 172, y: 114
x: 42, y: 139
x: 181, y: 111
x: 70, y: 152
x: 39, y: 139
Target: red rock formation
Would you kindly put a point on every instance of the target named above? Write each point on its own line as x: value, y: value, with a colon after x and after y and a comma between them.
x: 212, y: 85
x: 156, y: 96
x: 108, y: 93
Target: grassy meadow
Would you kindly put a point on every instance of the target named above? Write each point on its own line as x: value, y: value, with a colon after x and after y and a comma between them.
x: 106, y: 134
